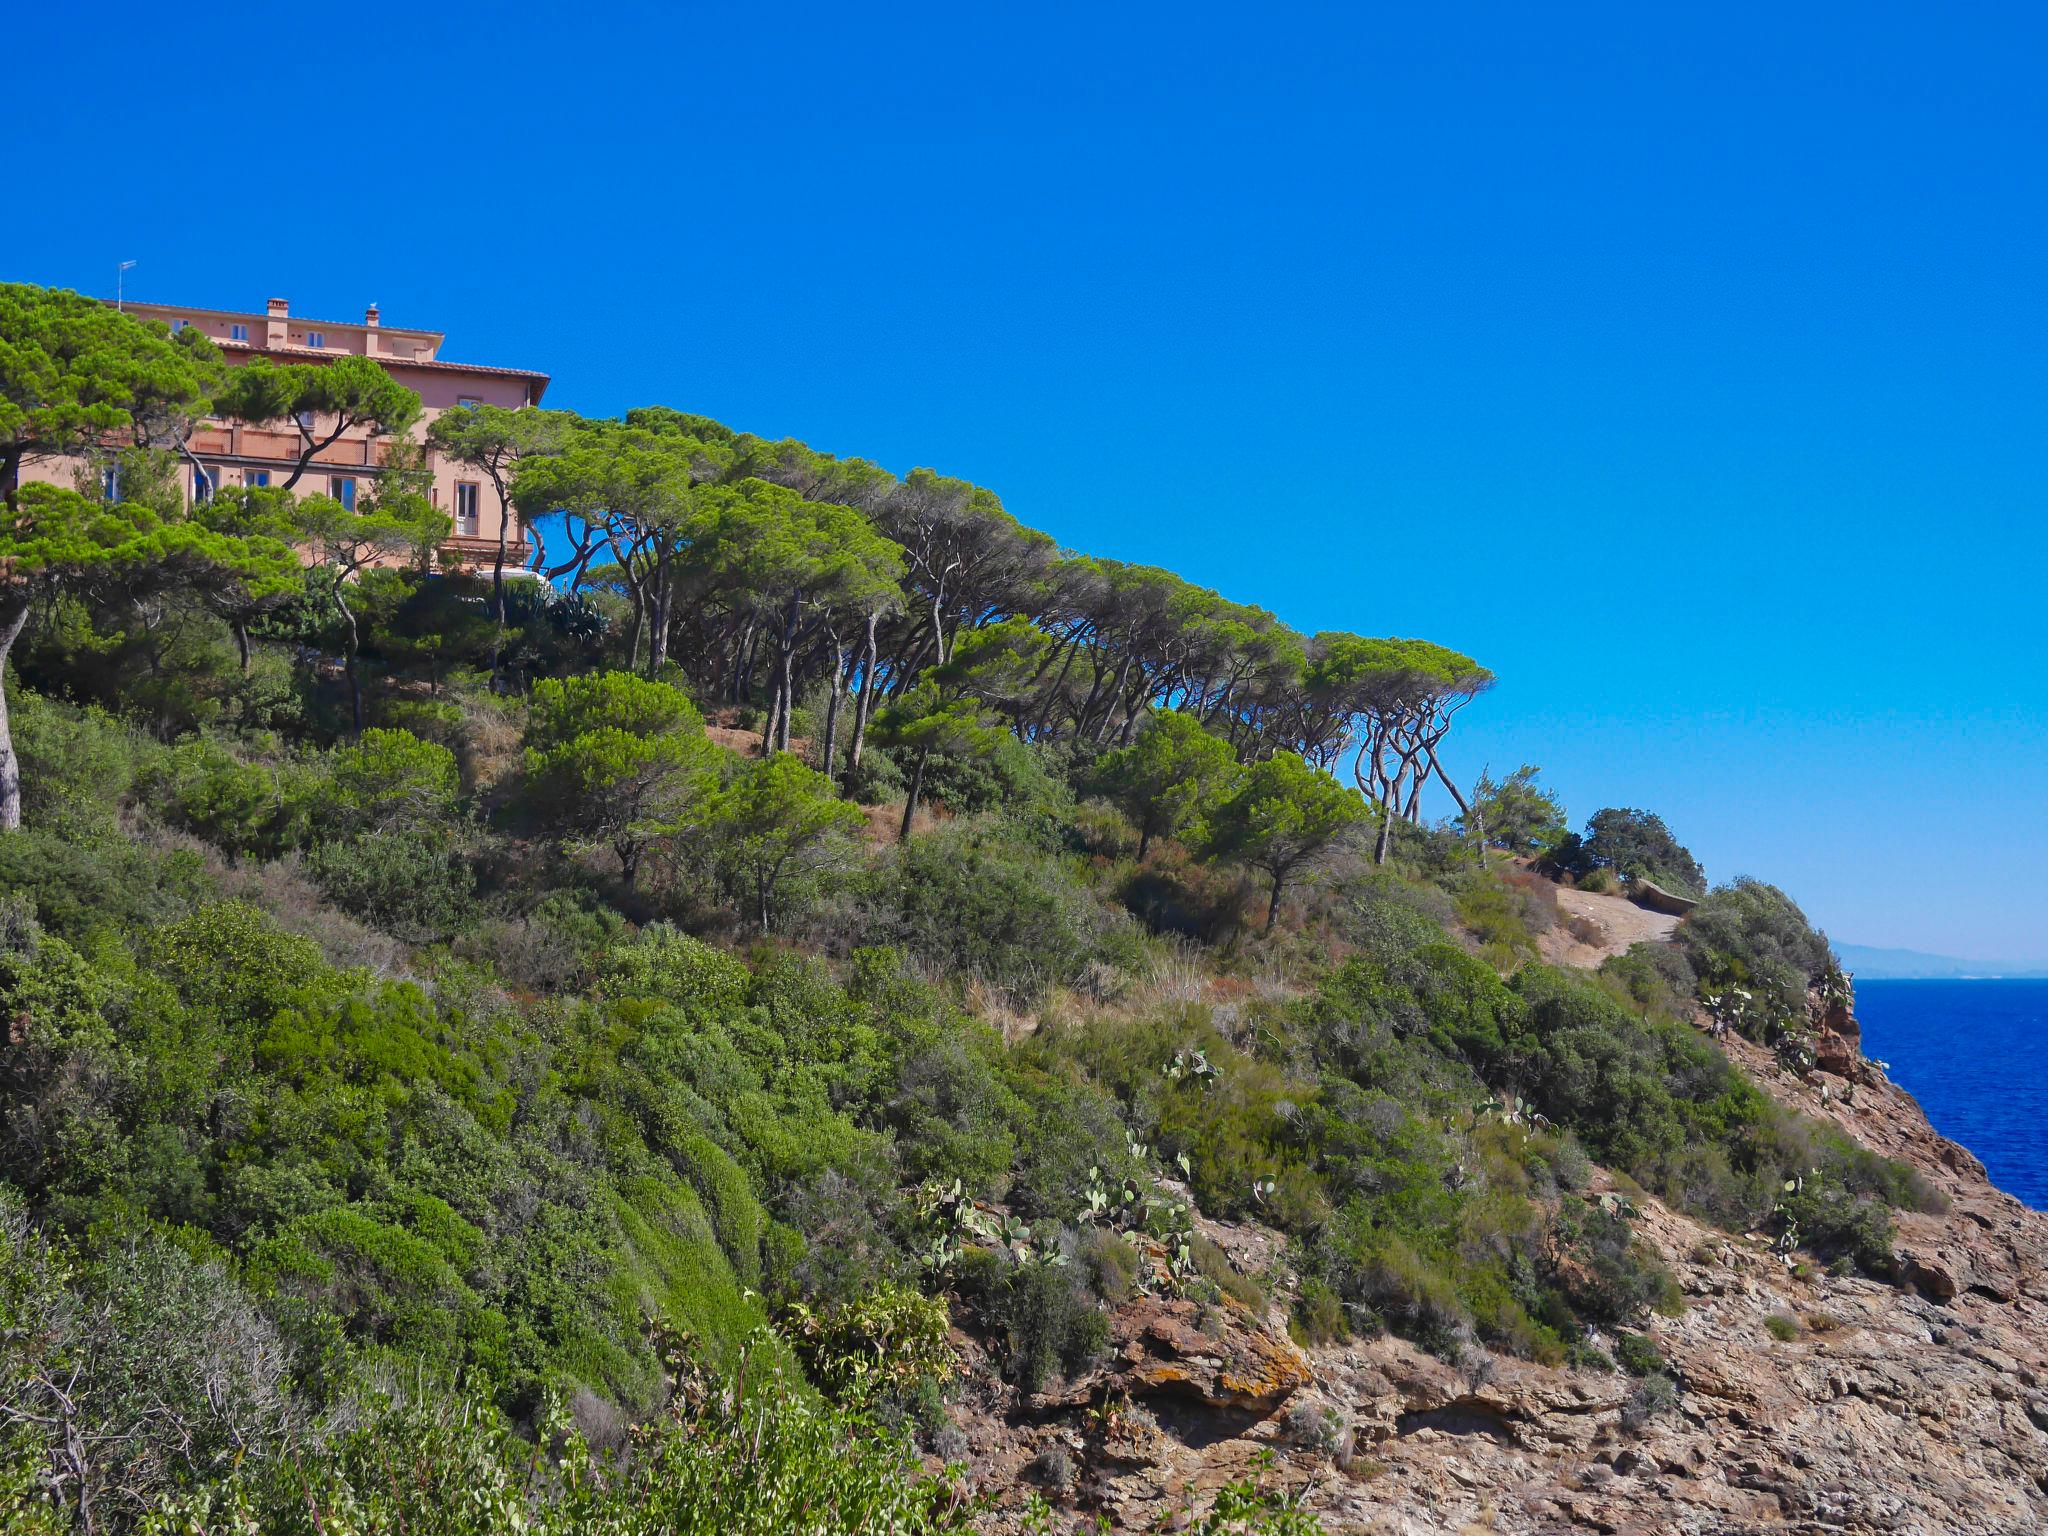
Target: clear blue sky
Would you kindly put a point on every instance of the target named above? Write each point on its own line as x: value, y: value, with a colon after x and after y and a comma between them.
x: 1686, y: 366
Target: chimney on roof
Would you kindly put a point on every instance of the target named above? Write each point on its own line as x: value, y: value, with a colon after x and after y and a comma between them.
x: 370, y: 316
x: 279, y: 307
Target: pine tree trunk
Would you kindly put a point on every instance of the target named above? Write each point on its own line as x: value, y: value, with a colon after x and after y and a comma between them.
x: 831, y: 743
x: 348, y: 664
x: 1273, y: 905
x: 788, y: 685
x: 498, y: 593
x: 916, y: 789
x: 657, y: 645
x: 866, y: 700
x: 13, y: 615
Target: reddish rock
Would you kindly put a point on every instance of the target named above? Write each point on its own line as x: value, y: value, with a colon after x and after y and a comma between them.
x: 1932, y: 1278
x: 1837, y: 1054
x: 1220, y: 1355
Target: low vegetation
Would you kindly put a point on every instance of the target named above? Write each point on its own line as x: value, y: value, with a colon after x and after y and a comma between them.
x: 482, y: 1056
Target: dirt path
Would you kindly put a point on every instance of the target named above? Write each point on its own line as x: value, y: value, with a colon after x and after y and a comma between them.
x: 1615, y: 924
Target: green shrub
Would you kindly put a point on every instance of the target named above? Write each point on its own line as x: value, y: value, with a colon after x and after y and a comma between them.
x: 112, y: 887
x: 1657, y: 1393
x: 246, y: 809
x: 1751, y: 939
x: 1319, y: 1313
x: 892, y: 1341
x: 391, y: 780
x: 1043, y: 1313
x: 772, y: 1460
x: 1781, y: 1327
x: 1635, y: 845
x: 407, y: 886
x: 161, y: 1371
x: 1514, y: 814
x: 1634, y: 1353
x: 1606, y: 1273
x: 1214, y: 1265
x: 76, y: 765
x: 876, y: 780
x: 1012, y: 778
x: 972, y: 907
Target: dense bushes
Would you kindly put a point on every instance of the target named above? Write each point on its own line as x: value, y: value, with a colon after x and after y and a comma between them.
x: 772, y: 1461
x: 1635, y: 845
x: 972, y: 904
x: 498, y: 1160
x: 1756, y: 956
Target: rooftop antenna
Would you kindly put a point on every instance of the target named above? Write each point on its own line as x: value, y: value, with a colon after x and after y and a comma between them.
x: 120, y: 273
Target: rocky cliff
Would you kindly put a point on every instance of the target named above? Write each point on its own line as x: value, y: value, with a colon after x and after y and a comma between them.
x: 1807, y: 1403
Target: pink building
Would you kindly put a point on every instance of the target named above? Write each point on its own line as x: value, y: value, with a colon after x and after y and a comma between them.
x: 233, y: 454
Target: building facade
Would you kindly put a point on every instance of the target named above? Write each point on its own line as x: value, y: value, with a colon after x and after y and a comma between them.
x: 230, y: 453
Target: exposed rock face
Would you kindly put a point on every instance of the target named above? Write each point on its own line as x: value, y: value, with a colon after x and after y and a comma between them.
x: 1917, y: 1408
x: 1219, y: 1356
x: 1838, y: 1042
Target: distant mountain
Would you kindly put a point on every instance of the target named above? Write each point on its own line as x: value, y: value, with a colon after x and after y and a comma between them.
x: 1867, y: 964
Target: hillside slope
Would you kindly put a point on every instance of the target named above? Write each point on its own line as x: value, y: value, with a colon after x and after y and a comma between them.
x: 1883, y: 1410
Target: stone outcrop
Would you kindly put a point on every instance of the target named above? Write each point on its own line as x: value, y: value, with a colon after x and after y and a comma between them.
x: 1838, y: 1041
x: 1218, y: 1355
x: 1920, y: 1407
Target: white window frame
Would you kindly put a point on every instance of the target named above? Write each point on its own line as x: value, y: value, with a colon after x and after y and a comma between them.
x: 472, y: 492
x: 343, y: 488
x: 317, y: 339
x: 238, y: 332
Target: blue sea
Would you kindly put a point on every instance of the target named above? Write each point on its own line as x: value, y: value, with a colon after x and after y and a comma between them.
x: 1975, y: 1054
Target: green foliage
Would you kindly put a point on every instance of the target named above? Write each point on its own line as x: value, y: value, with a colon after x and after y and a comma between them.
x: 73, y: 371
x: 971, y: 906
x: 104, y: 886
x: 1010, y: 779
x: 246, y: 808
x: 1506, y: 914
x: 892, y: 1341
x: 773, y: 824
x: 130, y: 1374
x: 1515, y: 814
x: 1283, y: 817
x: 1634, y: 1353
x: 1170, y: 778
x: 57, y: 544
x: 1756, y: 955
x: 256, y: 1187
x: 1049, y: 1323
x: 409, y: 886
x: 392, y: 780
x: 321, y: 400
x: 769, y: 1461
x: 1636, y: 845
x: 617, y: 760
